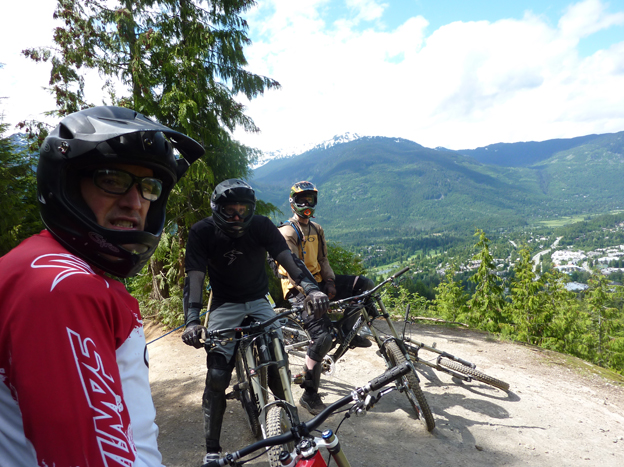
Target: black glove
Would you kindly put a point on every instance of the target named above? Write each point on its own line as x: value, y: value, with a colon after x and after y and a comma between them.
x: 317, y: 302
x: 192, y: 334
x: 330, y: 288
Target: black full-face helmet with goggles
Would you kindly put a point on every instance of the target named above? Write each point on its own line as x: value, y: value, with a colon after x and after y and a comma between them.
x: 233, y: 203
x: 86, y: 143
x: 303, y: 199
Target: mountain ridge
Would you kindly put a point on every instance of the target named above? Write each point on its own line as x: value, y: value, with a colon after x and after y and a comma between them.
x: 392, y: 186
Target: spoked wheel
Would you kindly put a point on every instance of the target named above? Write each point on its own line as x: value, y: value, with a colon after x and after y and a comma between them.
x: 296, y: 342
x: 411, y: 387
x: 278, y: 423
x: 247, y: 395
x: 474, y: 374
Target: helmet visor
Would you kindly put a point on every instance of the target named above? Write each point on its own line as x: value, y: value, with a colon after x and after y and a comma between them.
x: 119, y: 182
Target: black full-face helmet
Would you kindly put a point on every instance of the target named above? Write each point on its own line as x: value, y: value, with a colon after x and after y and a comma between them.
x: 101, y: 137
x: 303, y: 199
x: 233, y: 199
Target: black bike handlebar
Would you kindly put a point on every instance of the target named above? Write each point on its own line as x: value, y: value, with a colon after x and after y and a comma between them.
x: 252, y: 328
x: 371, y: 291
x: 306, y: 427
x: 402, y: 271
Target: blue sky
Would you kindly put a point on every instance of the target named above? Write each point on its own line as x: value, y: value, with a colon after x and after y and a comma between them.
x: 458, y: 74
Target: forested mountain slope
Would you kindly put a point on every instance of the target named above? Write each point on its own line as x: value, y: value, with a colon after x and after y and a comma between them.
x: 388, y: 187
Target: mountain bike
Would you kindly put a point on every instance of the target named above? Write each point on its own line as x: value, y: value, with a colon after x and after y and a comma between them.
x: 305, y: 452
x: 391, y: 346
x: 448, y: 363
x: 261, y: 372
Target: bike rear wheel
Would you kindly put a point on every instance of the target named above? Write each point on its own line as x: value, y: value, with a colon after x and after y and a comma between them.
x: 475, y: 374
x: 277, y: 423
x: 411, y: 387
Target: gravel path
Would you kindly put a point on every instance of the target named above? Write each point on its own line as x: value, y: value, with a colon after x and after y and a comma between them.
x: 559, y: 411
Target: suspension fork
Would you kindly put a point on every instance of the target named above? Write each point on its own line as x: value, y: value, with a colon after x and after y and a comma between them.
x: 411, y: 357
x: 333, y: 446
x: 282, y: 366
x: 251, y: 367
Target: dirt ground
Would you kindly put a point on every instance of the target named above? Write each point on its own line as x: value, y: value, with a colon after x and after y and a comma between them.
x: 559, y: 411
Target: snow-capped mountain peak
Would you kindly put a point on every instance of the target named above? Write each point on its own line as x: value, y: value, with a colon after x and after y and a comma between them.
x: 295, y: 151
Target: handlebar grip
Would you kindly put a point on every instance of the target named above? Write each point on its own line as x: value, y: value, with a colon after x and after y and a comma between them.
x: 389, y: 376
x: 402, y: 271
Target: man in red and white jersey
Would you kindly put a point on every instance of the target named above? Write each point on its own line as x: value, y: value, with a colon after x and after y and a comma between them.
x: 74, y: 388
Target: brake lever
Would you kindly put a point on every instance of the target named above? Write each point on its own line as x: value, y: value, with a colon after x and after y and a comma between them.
x: 207, y: 339
x: 371, y: 400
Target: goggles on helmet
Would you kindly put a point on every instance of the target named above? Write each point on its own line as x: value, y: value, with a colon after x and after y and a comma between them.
x: 119, y: 182
x: 230, y: 211
x: 305, y: 201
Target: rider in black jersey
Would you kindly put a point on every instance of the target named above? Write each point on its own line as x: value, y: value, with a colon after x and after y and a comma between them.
x: 231, y: 246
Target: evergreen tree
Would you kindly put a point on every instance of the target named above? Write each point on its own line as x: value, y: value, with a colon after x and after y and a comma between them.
x: 607, y: 321
x: 19, y: 215
x: 569, y: 322
x: 180, y: 62
x: 486, y: 306
x: 528, y: 307
x: 450, y: 301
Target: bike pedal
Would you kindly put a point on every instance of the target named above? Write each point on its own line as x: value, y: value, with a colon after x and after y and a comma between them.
x: 299, y: 379
x: 232, y: 395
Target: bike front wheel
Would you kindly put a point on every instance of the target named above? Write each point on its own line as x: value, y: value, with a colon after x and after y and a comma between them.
x: 247, y: 395
x: 411, y: 387
x: 474, y: 374
x: 277, y: 423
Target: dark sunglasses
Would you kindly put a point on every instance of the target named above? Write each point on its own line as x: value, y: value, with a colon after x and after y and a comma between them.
x: 119, y: 182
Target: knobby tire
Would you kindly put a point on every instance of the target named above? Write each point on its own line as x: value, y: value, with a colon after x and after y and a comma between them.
x: 412, y: 387
x: 475, y: 374
x: 277, y: 423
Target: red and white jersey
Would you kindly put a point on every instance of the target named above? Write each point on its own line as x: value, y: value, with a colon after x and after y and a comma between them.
x: 74, y: 388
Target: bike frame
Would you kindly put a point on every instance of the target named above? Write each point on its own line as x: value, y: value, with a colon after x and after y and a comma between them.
x: 255, y: 340
x: 391, y: 345
x: 358, y: 306
x: 413, y: 347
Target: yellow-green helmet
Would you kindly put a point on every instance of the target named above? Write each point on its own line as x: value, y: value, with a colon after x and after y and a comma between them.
x: 303, y: 199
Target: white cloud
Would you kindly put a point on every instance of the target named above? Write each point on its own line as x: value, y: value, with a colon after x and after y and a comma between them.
x: 368, y: 10
x: 587, y: 17
x: 467, y: 84
x: 463, y: 85
x: 25, y: 24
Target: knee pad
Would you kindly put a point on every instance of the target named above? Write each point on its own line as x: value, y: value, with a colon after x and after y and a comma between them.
x: 219, y: 372
x: 321, y: 345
